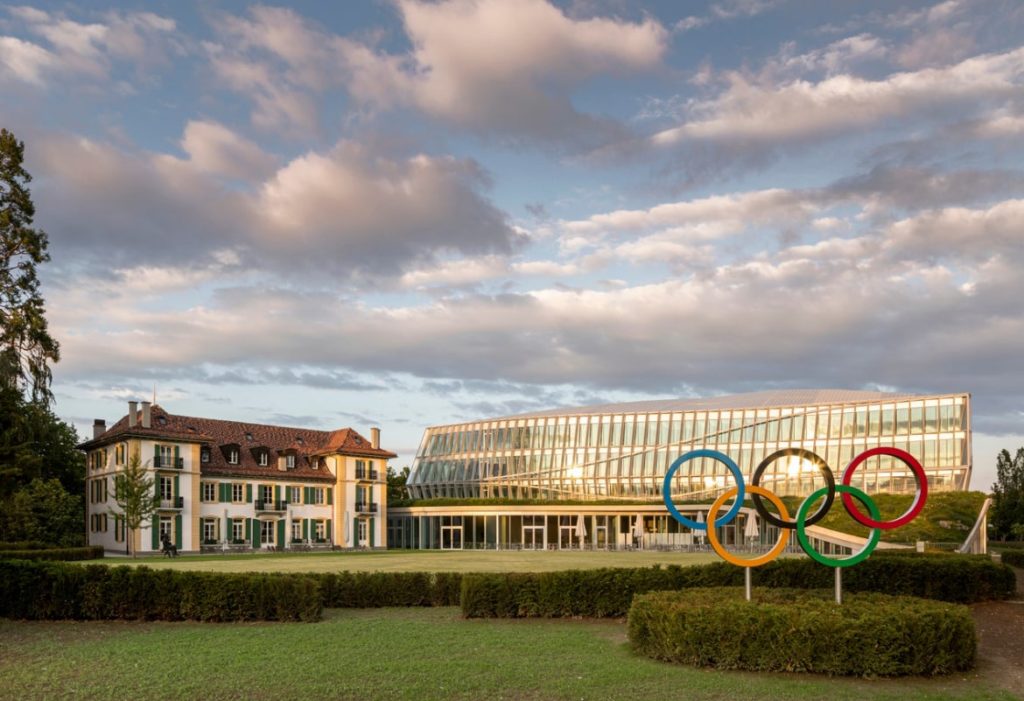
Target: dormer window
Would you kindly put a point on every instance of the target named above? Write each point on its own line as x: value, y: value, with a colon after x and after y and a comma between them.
x: 162, y: 420
x: 248, y: 436
x: 298, y: 439
x: 262, y: 458
x: 233, y: 456
x: 314, y: 463
x: 204, y: 455
x: 289, y: 461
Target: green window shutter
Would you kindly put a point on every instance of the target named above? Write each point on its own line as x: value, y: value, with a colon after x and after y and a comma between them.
x: 305, y: 529
x: 248, y: 528
x: 156, y: 532
x: 355, y: 532
x: 177, y: 486
x: 228, y: 535
x: 329, y: 535
x: 330, y: 495
x: 223, y: 489
x: 371, y: 532
x: 277, y: 492
x: 255, y: 533
x: 280, y: 534
x: 177, y: 531
x: 248, y: 492
x: 176, y: 456
x: 156, y: 453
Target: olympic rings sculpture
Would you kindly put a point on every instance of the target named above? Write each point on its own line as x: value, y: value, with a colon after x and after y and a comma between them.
x: 801, y: 520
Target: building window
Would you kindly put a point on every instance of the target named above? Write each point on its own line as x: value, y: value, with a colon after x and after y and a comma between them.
x: 233, y: 457
x: 166, y: 488
x: 267, y: 532
x: 289, y: 461
x: 318, y: 495
x: 237, y: 530
x: 263, y: 458
x: 295, y: 495
x: 237, y: 494
x: 164, y: 456
x: 118, y: 529
x: 320, y: 529
x: 296, y: 529
x: 267, y: 493
x: 209, y: 491
x: 166, y: 528
x: 210, y: 530
x: 204, y: 455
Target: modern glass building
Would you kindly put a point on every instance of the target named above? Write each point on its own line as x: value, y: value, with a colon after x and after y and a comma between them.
x: 621, y: 452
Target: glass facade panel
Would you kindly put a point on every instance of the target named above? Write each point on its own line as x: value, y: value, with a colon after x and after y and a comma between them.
x: 608, y: 454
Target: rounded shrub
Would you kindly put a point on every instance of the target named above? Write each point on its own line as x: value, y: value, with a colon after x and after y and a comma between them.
x: 791, y: 630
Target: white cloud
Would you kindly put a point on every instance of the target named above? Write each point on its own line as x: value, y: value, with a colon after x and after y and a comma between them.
x: 801, y: 109
x: 214, y: 148
x: 506, y: 67
x: 82, y: 49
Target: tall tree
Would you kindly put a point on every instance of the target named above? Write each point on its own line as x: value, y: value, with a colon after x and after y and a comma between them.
x: 26, y: 347
x: 43, y: 511
x: 1008, y: 495
x: 135, y: 495
x: 397, y: 492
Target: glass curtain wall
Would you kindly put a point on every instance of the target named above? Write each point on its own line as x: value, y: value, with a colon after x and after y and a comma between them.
x: 626, y: 455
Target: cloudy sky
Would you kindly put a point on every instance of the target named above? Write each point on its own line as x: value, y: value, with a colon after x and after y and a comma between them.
x: 409, y: 213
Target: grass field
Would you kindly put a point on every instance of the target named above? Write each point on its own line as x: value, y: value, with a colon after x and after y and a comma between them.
x: 394, y: 654
x: 422, y: 561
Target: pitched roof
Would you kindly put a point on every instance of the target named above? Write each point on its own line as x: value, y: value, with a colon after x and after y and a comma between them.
x: 250, y: 438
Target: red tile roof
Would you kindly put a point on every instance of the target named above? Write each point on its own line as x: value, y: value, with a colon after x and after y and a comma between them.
x: 217, y: 434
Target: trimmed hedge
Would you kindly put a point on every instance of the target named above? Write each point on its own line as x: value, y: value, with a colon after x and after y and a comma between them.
x: 25, y: 545
x: 91, y: 552
x: 1014, y: 558
x: 609, y: 592
x: 377, y: 589
x: 53, y: 590
x: 789, y: 630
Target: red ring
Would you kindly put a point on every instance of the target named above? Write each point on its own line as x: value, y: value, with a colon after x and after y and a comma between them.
x: 915, y: 507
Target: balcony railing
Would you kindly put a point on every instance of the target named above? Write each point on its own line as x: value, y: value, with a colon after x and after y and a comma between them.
x: 366, y: 507
x: 167, y: 461
x: 364, y: 474
x: 173, y: 503
x: 271, y: 505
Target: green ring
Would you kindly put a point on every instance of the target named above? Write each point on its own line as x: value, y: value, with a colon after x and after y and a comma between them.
x: 857, y: 557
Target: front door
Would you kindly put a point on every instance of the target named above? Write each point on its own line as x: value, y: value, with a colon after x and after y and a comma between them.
x: 451, y: 537
x: 364, y: 537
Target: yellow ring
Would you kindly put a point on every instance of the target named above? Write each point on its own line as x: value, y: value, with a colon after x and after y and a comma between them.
x: 780, y: 545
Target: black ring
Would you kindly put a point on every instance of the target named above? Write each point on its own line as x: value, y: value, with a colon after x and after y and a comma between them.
x: 826, y: 472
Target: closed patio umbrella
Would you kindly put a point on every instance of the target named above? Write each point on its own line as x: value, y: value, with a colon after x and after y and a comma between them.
x: 751, y: 531
x: 699, y: 519
x: 638, y: 529
x: 581, y: 530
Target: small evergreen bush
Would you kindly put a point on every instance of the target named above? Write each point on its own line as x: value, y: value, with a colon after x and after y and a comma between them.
x: 790, y: 630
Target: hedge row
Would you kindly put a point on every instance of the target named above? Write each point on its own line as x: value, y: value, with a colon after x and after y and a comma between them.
x: 788, y: 630
x: 1013, y: 557
x: 377, y: 589
x: 609, y: 592
x: 91, y: 552
x: 25, y: 545
x: 53, y: 590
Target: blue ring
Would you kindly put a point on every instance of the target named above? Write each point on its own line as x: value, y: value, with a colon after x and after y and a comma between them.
x: 666, y: 488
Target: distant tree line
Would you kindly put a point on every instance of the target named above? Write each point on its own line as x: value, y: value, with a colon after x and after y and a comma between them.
x: 1006, y: 519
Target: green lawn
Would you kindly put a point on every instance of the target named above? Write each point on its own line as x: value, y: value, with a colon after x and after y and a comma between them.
x: 394, y: 654
x: 422, y: 561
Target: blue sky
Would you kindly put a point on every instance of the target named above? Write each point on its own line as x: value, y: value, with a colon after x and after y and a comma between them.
x: 407, y: 213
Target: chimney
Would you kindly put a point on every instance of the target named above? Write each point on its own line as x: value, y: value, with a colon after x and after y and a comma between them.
x: 375, y: 437
x: 99, y: 427
x: 147, y: 416
x: 133, y: 413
